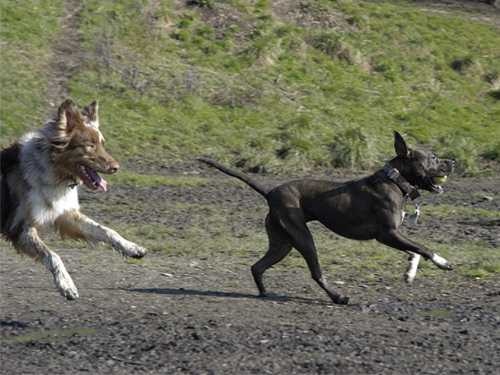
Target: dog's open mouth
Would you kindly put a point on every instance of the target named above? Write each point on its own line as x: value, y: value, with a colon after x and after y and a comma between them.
x: 92, y: 180
x: 436, y: 183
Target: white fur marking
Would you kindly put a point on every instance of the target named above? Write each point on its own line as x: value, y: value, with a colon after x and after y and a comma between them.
x: 62, y: 279
x: 95, y: 125
x: 95, y: 232
x: 47, y: 206
x: 439, y: 260
x: 127, y: 247
x: 412, y: 268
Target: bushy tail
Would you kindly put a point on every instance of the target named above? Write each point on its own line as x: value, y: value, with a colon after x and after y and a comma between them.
x: 241, y: 176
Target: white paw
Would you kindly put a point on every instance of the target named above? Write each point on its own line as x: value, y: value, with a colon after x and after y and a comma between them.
x: 65, y: 284
x: 410, y: 277
x: 441, y: 262
x: 69, y: 293
x: 62, y: 279
x: 130, y: 249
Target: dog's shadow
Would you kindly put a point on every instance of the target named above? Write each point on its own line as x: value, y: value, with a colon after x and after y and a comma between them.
x: 211, y: 293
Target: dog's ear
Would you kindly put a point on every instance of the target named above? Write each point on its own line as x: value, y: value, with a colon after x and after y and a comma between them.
x: 91, y: 112
x: 400, y: 145
x: 67, y: 116
x: 61, y: 130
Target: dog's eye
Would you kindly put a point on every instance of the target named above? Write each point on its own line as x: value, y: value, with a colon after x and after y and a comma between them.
x: 90, y: 146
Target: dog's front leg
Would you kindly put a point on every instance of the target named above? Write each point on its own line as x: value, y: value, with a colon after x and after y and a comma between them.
x: 76, y: 225
x: 411, y: 272
x: 396, y: 240
x: 31, y: 244
x: 414, y: 259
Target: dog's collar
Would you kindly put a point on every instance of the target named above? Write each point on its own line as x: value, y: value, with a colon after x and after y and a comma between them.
x: 408, y: 189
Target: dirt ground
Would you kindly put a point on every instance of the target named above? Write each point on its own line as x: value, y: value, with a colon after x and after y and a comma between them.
x: 177, y: 313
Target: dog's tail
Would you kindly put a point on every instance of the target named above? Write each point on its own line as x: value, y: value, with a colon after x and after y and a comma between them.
x: 241, y: 176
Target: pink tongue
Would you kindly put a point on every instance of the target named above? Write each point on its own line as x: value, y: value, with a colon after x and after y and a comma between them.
x: 103, y: 185
x: 97, y: 180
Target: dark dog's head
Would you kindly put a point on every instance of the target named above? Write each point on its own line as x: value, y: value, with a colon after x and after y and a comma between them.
x: 422, y: 169
x: 78, y: 146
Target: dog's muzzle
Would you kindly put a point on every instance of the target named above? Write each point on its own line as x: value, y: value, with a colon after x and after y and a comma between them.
x: 434, y: 183
x: 431, y: 186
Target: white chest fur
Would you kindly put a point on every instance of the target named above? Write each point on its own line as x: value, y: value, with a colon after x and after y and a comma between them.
x: 47, y: 204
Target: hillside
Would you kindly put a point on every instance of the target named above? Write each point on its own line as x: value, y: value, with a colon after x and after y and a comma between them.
x: 264, y: 85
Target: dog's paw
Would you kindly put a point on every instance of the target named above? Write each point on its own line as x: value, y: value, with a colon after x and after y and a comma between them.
x: 130, y: 249
x: 63, y: 281
x: 409, y: 278
x: 137, y: 252
x: 65, y: 285
x: 441, y: 262
x: 340, y: 300
x: 70, y: 294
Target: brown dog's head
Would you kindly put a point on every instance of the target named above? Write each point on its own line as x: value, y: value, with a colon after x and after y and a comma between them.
x: 422, y: 169
x: 77, y: 146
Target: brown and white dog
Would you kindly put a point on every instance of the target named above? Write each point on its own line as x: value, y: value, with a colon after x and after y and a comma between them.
x: 40, y: 175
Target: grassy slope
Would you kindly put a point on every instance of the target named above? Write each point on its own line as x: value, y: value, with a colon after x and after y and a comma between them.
x: 26, y: 32
x: 251, y: 85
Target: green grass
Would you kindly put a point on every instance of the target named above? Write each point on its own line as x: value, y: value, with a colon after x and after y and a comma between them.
x: 52, y: 335
x: 128, y: 178
x: 262, y: 90
x: 27, y: 29
x: 464, y: 212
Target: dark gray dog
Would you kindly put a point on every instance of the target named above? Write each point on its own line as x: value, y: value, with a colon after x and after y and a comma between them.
x: 364, y: 209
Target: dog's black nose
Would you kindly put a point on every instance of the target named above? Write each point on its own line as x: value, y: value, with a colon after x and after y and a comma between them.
x: 113, y: 168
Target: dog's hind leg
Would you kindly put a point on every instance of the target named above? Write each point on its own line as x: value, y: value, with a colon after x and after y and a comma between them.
x: 294, y: 223
x: 76, y: 225
x: 396, y: 240
x: 29, y: 243
x: 279, y: 247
